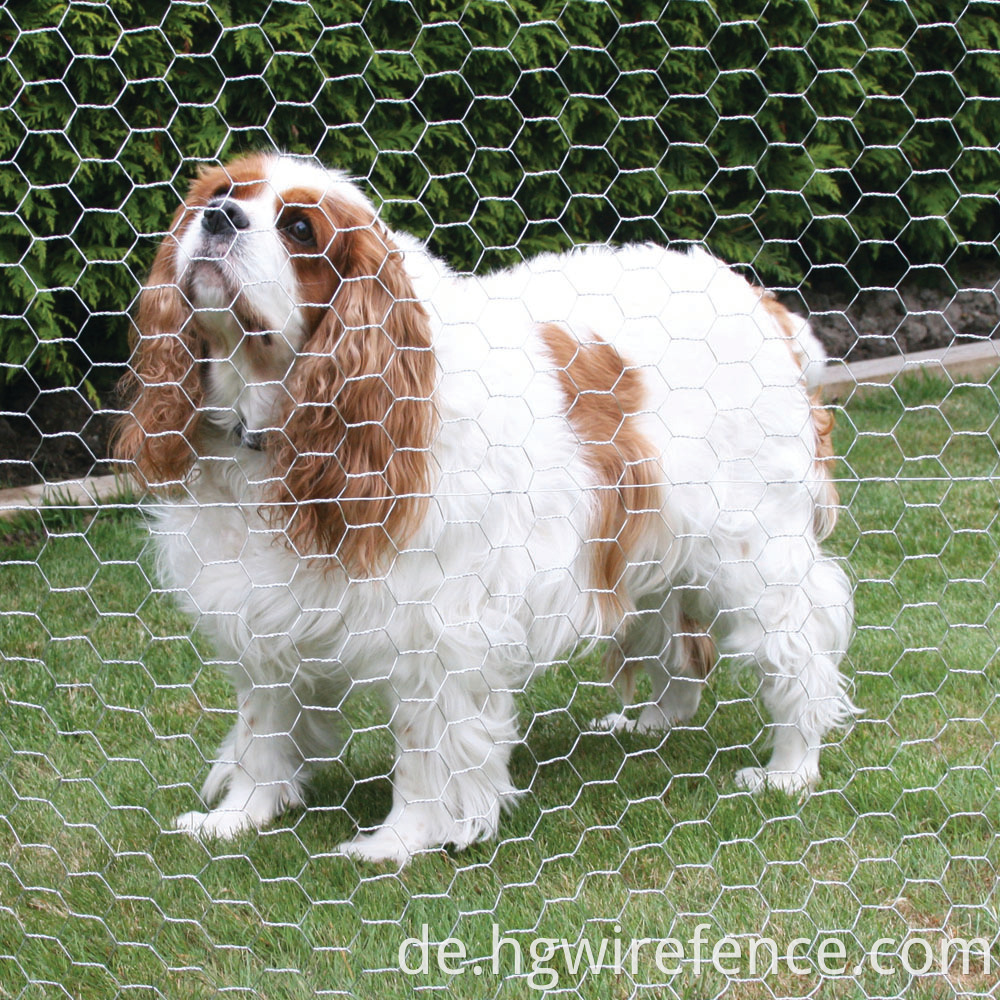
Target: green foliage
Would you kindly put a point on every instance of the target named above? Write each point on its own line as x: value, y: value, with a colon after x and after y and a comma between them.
x: 797, y: 136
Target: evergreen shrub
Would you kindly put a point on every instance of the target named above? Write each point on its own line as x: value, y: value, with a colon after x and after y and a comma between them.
x: 801, y: 137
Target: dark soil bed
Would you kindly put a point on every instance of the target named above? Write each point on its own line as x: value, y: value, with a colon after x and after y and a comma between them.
x: 59, y: 434
x: 52, y: 435
x: 923, y: 313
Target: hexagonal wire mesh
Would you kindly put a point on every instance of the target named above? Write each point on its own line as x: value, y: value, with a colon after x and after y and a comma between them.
x: 844, y: 154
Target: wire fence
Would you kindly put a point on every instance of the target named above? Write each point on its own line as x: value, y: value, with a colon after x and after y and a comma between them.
x: 842, y: 154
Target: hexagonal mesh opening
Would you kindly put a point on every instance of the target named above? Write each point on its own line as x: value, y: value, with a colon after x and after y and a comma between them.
x: 454, y: 436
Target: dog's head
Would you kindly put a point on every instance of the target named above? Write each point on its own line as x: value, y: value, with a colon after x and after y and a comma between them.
x: 279, y: 311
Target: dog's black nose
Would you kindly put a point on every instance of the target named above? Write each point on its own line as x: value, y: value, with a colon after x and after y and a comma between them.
x: 224, y: 218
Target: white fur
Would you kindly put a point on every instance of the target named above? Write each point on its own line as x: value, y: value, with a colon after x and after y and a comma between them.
x: 495, y: 583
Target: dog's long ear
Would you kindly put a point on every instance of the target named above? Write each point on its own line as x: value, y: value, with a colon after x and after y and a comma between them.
x: 163, y: 387
x: 351, y: 461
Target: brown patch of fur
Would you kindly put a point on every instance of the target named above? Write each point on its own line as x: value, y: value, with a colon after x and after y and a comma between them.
x: 782, y: 316
x: 825, y: 515
x: 242, y: 178
x: 154, y: 437
x: 699, y: 649
x: 352, y: 458
x: 602, y: 397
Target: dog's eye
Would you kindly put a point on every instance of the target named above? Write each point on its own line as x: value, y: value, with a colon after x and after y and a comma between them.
x: 301, y: 231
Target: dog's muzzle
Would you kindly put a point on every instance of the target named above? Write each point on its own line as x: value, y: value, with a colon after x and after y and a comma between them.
x: 224, y: 217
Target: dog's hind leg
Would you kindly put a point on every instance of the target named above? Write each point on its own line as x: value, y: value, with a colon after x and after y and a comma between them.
x: 790, y: 613
x: 677, y: 656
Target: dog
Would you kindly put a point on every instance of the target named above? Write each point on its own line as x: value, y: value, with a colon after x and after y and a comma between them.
x: 374, y: 471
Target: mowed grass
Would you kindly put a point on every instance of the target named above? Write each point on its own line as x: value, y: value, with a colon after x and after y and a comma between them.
x: 109, y: 710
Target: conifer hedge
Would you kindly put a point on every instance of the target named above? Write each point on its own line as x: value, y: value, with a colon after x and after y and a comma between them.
x: 801, y: 137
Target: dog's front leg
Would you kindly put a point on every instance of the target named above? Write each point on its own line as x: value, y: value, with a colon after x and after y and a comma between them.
x: 264, y: 761
x: 454, y: 734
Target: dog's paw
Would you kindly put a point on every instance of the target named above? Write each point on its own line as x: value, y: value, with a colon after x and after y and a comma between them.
x: 219, y: 824
x: 422, y: 829
x: 758, y: 779
x: 384, y: 845
x: 650, y: 720
x: 613, y: 722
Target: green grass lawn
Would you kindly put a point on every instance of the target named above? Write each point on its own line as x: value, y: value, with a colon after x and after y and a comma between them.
x: 108, y: 715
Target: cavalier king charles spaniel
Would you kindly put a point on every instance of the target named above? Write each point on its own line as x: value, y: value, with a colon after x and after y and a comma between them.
x: 372, y: 470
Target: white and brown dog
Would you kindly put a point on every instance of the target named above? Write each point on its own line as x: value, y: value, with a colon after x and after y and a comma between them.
x: 376, y: 470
